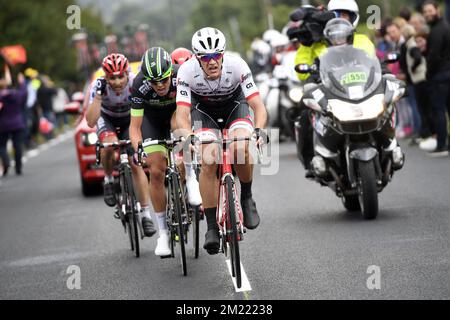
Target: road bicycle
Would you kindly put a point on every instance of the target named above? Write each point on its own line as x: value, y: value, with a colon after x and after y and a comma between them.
x: 127, y: 206
x: 229, y: 212
x: 179, y: 213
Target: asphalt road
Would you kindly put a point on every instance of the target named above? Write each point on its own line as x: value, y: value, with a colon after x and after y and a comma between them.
x: 307, y: 246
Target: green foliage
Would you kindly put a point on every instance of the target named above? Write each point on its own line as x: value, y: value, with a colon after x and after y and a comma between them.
x: 40, y: 26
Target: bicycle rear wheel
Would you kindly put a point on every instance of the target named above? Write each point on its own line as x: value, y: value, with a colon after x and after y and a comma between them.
x: 133, y: 215
x: 232, y: 231
x: 180, y: 210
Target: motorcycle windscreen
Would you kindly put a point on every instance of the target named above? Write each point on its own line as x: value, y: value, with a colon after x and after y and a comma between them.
x: 350, y: 73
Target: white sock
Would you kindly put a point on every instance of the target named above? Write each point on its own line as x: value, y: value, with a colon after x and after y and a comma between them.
x: 109, y: 179
x: 146, y: 212
x: 189, y: 171
x: 162, y: 223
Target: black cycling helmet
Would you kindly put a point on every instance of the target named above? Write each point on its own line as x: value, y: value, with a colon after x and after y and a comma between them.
x: 156, y: 64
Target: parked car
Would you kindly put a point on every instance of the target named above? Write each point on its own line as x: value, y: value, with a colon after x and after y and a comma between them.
x: 91, y: 174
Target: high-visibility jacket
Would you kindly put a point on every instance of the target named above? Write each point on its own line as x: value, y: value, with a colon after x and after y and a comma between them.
x: 307, y: 55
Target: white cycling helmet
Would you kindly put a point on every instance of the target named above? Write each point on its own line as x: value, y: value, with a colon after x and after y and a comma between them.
x: 345, y: 5
x: 280, y: 40
x: 261, y: 47
x: 269, y: 34
x: 208, y: 40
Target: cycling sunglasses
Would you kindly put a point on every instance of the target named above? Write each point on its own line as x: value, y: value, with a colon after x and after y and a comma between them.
x: 209, y: 57
x: 160, y: 81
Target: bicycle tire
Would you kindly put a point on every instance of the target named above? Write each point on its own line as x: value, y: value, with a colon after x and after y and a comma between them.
x: 233, y: 238
x: 196, y: 230
x: 177, y: 205
x: 132, y: 208
x: 123, y: 192
x: 196, y: 221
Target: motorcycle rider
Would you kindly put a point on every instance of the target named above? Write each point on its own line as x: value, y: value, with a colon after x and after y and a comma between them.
x: 338, y: 32
x: 311, y: 51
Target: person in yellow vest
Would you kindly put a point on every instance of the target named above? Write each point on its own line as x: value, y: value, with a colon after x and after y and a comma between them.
x: 345, y: 9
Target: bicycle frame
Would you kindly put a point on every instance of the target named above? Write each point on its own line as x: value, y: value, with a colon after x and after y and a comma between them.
x: 225, y: 170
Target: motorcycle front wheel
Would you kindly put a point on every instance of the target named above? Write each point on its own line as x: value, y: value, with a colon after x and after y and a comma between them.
x: 368, y: 192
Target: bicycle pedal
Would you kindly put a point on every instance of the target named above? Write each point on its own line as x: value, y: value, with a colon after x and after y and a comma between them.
x: 166, y: 257
x: 177, y: 238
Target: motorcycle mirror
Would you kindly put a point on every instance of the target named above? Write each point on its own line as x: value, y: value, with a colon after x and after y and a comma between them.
x: 392, y: 57
x: 303, y: 68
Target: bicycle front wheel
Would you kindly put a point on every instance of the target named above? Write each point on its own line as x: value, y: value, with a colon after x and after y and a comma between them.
x: 232, y: 230
x: 196, y: 229
x: 180, y: 211
x: 133, y: 215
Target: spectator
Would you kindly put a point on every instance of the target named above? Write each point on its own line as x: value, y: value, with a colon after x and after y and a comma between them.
x: 405, y: 13
x: 32, y: 116
x: 11, y: 121
x: 59, y: 101
x: 383, y: 42
x: 418, y: 22
x: 405, y: 121
x: 427, y: 130
x: 413, y: 66
x: 45, y: 95
x: 438, y: 72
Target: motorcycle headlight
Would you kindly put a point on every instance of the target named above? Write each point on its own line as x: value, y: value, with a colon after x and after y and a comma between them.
x: 296, y: 94
x: 89, y: 139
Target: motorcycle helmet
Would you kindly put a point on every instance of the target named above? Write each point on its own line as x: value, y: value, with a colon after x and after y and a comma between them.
x: 338, y: 32
x: 349, y: 6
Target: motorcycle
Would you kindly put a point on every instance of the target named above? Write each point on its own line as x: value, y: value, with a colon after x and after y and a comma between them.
x: 350, y: 109
x: 285, y: 93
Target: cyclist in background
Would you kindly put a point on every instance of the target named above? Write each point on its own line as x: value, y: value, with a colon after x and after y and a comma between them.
x: 109, y: 109
x: 180, y: 56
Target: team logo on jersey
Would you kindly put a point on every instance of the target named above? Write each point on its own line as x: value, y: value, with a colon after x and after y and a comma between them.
x: 137, y: 100
x: 245, y: 77
x: 182, y: 83
x: 144, y: 88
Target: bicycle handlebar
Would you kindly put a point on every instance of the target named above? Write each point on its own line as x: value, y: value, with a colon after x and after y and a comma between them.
x: 170, y: 143
x: 115, y: 145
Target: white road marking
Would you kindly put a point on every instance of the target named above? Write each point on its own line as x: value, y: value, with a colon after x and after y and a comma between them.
x: 245, y: 284
x: 32, y: 154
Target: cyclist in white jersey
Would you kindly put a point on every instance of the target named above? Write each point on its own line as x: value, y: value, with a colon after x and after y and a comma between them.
x: 109, y: 110
x: 216, y: 90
